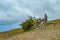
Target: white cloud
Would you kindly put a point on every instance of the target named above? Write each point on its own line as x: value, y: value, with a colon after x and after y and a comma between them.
x: 57, y: 8
x: 52, y: 0
x: 15, y: 12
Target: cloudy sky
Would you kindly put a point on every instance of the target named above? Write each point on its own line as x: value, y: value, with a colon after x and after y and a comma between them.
x: 14, y: 12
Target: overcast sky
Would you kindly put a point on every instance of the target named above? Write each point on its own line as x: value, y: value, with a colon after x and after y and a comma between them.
x: 14, y: 12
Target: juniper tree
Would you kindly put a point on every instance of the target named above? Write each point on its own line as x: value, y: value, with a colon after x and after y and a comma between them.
x: 28, y: 23
x: 45, y: 18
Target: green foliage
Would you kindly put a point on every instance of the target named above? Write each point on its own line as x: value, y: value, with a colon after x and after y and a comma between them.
x: 31, y: 28
x: 27, y: 24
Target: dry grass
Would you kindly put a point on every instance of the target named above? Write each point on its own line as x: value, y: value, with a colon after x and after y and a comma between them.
x: 49, y: 34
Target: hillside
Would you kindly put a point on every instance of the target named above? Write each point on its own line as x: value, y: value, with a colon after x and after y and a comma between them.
x: 51, y: 32
x: 10, y: 33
